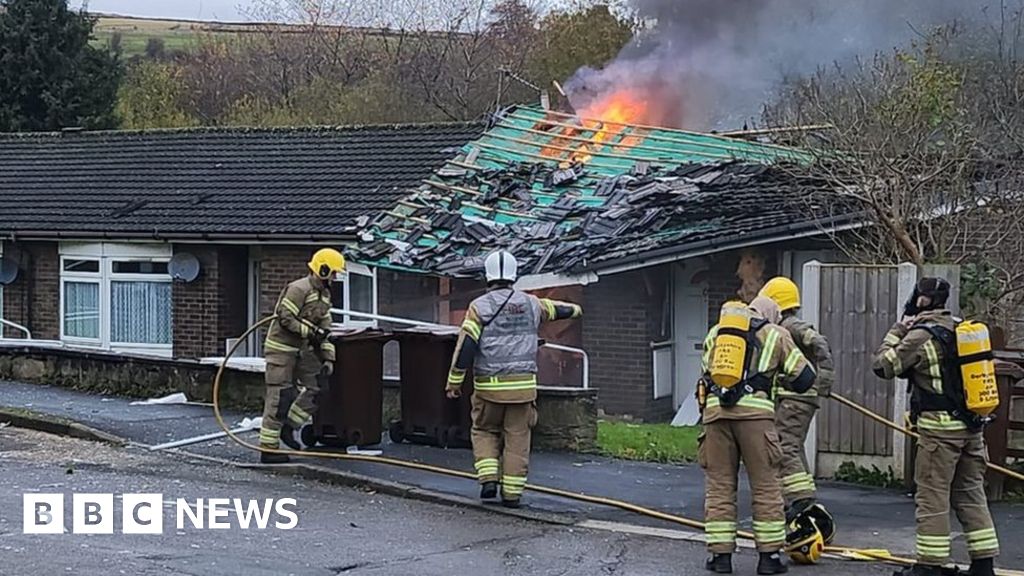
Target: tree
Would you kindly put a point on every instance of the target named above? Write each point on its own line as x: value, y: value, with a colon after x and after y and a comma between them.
x: 50, y: 77
x: 587, y: 35
x: 153, y: 95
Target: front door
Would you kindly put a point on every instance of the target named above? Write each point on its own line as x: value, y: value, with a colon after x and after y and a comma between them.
x: 690, y: 312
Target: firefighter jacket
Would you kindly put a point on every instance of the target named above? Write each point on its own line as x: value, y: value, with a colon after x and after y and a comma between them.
x: 304, y: 306
x: 816, y: 349
x: 917, y: 356
x: 779, y: 360
x: 499, y: 339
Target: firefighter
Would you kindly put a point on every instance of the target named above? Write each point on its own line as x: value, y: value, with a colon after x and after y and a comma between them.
x: 794, y: 412
x: 499, y: 340
x: 297, y: 349
x: 951, y: 453
x: 739, y: 425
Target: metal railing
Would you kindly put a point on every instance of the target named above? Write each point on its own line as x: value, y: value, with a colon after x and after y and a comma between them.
x: 19, y: 327
x: 585, y: 359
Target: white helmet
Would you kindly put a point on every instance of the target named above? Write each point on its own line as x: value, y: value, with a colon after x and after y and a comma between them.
x: 501, y: 266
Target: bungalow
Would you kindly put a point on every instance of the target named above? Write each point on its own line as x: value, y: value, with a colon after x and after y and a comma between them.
x: 171, y: 242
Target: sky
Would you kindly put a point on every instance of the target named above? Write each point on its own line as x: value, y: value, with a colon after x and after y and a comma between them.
x: 190, y: 9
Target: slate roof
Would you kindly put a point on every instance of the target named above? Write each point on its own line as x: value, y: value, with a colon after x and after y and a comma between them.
x: 636, y: 193
x: 214, y: 183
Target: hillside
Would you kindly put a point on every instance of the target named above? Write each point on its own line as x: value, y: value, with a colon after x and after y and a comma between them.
x: 176, y: 34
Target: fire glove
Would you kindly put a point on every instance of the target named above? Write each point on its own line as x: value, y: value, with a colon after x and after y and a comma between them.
x: 327, y: 368
x: 320, y: 335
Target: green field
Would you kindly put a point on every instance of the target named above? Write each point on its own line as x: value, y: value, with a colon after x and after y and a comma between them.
x: 176, y: 34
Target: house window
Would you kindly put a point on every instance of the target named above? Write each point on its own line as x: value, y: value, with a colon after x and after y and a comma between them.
x: 358, y: 293
x: 116, y: 297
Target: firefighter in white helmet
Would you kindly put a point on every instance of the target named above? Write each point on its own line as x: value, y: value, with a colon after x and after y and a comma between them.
x: 498, y: 340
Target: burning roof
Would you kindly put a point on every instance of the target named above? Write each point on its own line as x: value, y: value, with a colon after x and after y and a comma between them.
x: 566, y: 194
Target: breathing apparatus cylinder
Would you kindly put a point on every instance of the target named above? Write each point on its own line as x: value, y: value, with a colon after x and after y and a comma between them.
x: 730, y: 347
x: 977, y: 369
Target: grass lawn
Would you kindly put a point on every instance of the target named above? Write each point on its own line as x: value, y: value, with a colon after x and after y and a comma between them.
x: 648, y: 442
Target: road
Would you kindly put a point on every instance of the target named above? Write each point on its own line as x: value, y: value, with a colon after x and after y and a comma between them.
x: 340, y: 530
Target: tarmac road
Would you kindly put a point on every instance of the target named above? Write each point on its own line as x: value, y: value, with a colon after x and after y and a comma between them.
x: 340, y: 530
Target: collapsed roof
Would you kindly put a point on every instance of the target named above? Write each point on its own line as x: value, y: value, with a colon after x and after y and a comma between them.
x: 567, y: 195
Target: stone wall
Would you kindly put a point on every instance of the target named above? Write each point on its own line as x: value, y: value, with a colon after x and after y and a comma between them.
x: 568, y: 417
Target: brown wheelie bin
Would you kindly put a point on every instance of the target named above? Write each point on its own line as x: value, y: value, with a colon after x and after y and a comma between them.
x: 350, y: 408
x: 428, y: 417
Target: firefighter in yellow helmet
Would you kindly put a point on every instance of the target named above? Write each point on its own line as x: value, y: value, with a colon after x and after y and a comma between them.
x: 298, y: 349
x: 739, y: 425
x: 794, y: 411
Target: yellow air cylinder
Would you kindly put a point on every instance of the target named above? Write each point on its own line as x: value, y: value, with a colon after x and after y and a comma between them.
x: 730, y: 348
x: 979, y: 376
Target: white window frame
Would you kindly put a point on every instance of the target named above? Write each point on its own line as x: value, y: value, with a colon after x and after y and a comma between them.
x: 358, y: 270
x: 106, y: 254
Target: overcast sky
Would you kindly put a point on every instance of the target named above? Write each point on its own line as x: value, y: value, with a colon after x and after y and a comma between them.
x: 191, y: 9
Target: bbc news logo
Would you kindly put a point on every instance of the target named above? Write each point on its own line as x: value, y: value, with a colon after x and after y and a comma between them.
x: 144, y: 513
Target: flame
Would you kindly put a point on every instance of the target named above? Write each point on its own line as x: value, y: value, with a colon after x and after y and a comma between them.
x: 605, y: 118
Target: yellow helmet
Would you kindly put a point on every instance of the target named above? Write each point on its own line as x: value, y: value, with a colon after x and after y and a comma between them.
x: 783, y: 291
x: 804, y: 542
x: 327, y: 264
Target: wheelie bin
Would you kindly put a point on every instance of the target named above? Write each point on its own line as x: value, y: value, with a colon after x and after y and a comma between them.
x: 350, y: 408
x: 427, y: 416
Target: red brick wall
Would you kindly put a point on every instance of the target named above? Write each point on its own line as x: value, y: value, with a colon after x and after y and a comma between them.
x: 33, y: 300
x: 623, y: 314
x: 279, y: 266
x: 213, y: 307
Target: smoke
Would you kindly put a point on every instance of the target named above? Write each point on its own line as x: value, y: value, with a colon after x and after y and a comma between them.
x: 704, y: 64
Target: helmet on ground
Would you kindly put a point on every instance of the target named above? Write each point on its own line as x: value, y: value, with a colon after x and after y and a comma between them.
x: 824, y: 521
x: 804, y: 542
x: 783, y: 291
x: 501, y: 266
x: 327, y: 264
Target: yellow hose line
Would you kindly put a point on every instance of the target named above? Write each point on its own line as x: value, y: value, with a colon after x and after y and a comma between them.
x: 621, y: 505
x: 889, y: 423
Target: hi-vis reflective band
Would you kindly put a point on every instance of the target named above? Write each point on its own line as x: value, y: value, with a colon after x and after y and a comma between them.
x: 487, y: 468
x: 500, y: 383
x: 934, y: 368
x: 328, y: 347
x: 768, y: 352
x: 940, y: 421
x: 291, y: 306
x: 472, y: 328
x: 933, y: 546
x: 279, y: 347
x: 270, y: 437
x: 549, y: 308
x: 297, y: 416
x: 891, y: 339
x: 720, y: 532
x: 768, y: 532
x: 456, y: 377
x: 513, y: 485
x: 748, y: 401
x: 984, y: 540
x: 798, y: 483
x: 792, y: 360
x: 894, y: 360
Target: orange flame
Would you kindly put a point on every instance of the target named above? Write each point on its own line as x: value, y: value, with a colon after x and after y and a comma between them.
x: 605, y: 118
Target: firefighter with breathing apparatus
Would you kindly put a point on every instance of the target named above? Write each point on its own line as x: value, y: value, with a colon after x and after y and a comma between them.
x: 498, y: 340
x: 948, y: 363
x: 298, y: 353
x: 746, y: 355
x: 810, y: 526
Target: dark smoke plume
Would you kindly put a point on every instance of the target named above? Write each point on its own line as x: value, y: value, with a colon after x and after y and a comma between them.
x: 704, y: 64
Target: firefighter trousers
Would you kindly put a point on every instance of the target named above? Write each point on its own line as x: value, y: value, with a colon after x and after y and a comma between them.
x: 793, y: 420
x: 950, y: 471
x: 501, y: 443
x: 291, y: 394
x: 724, y: 445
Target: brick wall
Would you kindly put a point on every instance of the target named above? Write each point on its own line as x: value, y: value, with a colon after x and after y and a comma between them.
x: 33, y: 300
x: 280, y: 265
x: 623, y: 314
x: 213, y: 307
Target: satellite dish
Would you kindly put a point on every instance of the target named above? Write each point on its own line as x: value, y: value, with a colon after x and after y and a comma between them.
x: 183, y: 267
x: 8, y: 271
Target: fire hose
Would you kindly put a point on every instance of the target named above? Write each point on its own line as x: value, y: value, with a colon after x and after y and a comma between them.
x: 838, y: 551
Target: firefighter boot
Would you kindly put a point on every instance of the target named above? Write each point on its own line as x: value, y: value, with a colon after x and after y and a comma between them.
x: 488, y: 490
x: 771, y: 563
x: 719, y: 564
x: 291, y: 437
x: 268, y: 458
x: 510, y: 502
x: 982, y: 567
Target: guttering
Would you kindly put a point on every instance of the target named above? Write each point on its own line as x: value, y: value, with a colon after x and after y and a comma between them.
x: 198, y: 237
x: 713, y: 246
